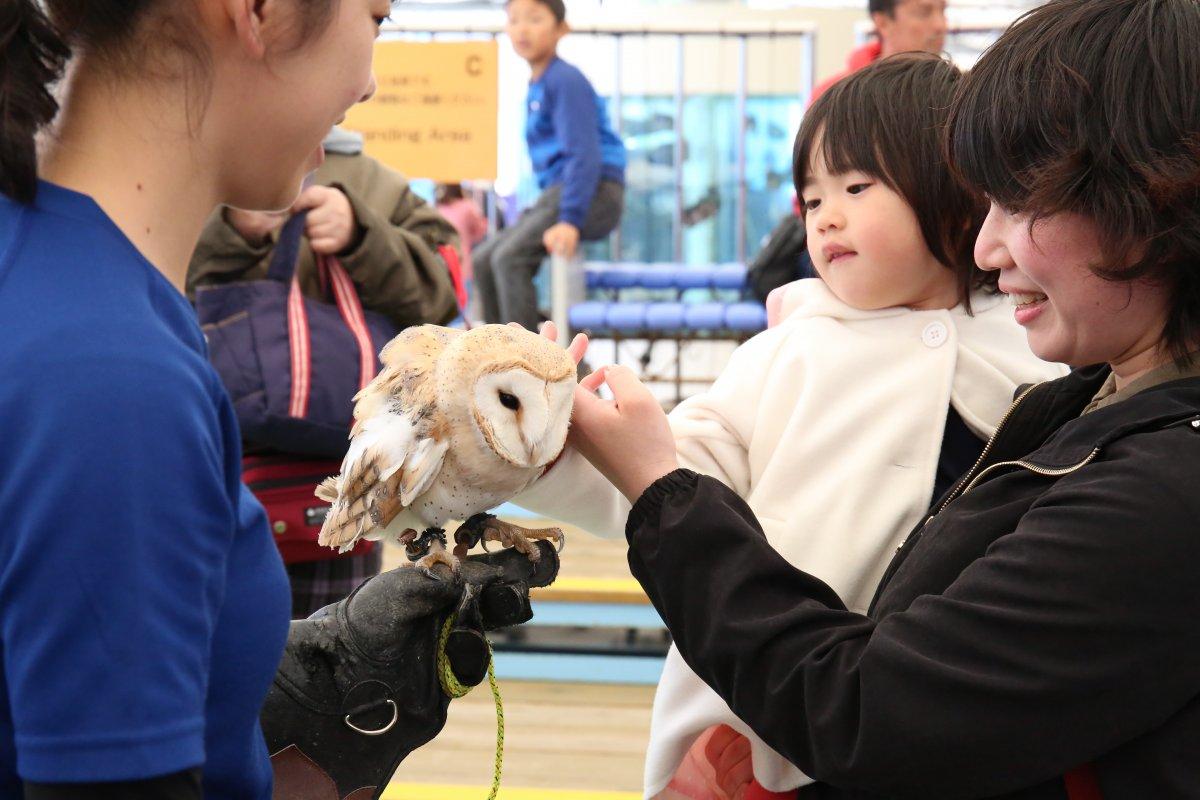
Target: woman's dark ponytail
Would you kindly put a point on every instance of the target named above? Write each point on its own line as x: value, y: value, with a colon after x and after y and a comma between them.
x: 32, y: 57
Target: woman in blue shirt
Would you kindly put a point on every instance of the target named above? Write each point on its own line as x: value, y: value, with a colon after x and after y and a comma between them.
x: 143, y: 605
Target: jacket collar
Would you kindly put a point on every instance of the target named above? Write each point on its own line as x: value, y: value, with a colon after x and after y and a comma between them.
x: 1046, y: 424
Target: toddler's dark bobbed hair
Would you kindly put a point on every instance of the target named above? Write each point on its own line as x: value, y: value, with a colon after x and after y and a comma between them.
x: 1093, y: 107
x: 888, y: 120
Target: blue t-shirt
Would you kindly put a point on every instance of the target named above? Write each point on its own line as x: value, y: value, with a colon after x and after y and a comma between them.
x: 143, y: 604
x: 570, y: 139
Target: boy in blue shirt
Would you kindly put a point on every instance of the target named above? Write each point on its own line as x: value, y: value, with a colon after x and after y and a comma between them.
x: 578, y: 159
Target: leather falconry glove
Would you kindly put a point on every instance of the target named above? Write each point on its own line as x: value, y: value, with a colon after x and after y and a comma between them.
x: 358, y: 690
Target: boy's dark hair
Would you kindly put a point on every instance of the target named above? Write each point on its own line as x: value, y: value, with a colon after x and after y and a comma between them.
x: 1091, y: 106
x: 887, y: 120
x: 557, y: 8
x: 882, y: 7
x: 35, y: 46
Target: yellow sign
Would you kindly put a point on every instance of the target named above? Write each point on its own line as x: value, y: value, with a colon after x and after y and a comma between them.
x: 434, y: 110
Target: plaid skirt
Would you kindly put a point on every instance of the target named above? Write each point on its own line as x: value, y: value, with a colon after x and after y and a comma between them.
x: 316, y: 584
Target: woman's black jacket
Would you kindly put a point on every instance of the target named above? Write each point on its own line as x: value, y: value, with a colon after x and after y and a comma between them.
x: 1047, y: 615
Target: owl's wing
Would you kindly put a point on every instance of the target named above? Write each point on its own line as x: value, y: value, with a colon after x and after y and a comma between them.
x: 397, y: 444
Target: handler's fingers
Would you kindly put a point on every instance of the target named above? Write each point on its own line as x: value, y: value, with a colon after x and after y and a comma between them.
x: 549, y: 330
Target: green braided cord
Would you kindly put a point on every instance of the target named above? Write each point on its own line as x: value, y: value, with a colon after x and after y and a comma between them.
x: 454, y: 689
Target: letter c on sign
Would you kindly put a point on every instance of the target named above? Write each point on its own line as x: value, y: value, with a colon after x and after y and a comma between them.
x: 474, y: 65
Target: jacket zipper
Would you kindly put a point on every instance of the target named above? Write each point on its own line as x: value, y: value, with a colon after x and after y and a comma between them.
x: 954, y: 493
x: 1051, y: 472
x: 911, y: 540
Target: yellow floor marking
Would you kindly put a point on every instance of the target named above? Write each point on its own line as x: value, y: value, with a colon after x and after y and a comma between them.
x: 595, y: 590
x: 427, y: 791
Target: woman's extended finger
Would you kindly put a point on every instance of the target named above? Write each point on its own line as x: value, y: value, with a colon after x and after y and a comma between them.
x: 626, y: 387
x: 549, y: 330
x: 592, y: 382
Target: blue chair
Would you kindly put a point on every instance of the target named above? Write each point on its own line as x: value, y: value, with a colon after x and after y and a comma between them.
x: 665, y: 317
x: 729, y: 276
x: 746, y: 316
x: 626, y: 317
x: 588, y: 316
x: 619, y: 276
x: 704, y: 316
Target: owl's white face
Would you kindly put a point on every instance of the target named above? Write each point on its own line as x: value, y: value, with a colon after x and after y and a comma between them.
x: 523, y: 418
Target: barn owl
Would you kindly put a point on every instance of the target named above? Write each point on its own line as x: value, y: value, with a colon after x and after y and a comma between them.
x: 455, y: 423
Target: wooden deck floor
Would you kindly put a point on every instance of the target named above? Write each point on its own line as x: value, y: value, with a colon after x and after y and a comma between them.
x: 559, y: 737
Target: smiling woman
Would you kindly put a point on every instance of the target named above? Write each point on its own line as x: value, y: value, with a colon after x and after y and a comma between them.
x: 985, y: 664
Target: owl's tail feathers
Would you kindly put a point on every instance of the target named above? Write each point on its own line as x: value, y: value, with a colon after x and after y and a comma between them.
x: 327, y: 490
x: 363, y: 501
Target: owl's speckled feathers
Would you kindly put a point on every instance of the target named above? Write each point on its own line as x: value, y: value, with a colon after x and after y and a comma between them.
x: 455, y: 423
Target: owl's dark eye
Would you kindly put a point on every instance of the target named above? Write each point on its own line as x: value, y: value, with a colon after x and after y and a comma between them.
x: 509, y: 401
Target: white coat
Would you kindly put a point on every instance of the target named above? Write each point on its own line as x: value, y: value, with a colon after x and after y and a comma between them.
x: 830, y: 426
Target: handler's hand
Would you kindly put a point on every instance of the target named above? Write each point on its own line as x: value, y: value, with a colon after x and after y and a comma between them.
x: 330, y: 226
x: 357, y: 688
x: 561, y: 239
x: 627, y: 438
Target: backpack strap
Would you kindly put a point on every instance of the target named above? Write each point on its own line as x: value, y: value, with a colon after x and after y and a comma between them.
x: 299, y: 347
x: 350, y: 306
x: 454, y: 265
x: 286, y: 254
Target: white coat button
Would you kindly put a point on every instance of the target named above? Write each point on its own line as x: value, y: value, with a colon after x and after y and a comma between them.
x: 935, y: 334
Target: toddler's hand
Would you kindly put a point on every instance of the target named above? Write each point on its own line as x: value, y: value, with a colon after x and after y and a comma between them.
x: 576, y: 349
x: 627, y: 438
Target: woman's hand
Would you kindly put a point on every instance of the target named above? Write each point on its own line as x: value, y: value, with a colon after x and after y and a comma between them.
x: 627, y: 438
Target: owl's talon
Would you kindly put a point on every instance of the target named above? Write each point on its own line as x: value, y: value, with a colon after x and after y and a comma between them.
x: 522, y: 539
x: 427, y: 563
x: 430, y: 541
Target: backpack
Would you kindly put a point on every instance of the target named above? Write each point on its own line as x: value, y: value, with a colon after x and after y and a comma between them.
x: 783, y: 259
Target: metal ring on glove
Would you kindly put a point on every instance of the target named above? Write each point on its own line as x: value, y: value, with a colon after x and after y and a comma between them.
x: 381, y: 731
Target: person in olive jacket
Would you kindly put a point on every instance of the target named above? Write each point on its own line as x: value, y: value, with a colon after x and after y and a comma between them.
x: 387, y: 238
x: 363, y: 212
x: 1036, y: 636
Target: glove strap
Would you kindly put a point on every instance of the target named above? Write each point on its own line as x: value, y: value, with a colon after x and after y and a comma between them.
x: 454, y: 690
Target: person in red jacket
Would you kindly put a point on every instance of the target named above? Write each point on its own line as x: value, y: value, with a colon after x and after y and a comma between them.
x: 900, y: 26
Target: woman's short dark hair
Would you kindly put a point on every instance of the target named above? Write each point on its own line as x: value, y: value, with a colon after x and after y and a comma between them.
x: 1093, y: 107
x: 888, y: 120
x: 35, y: 45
